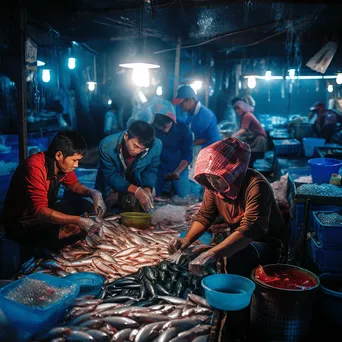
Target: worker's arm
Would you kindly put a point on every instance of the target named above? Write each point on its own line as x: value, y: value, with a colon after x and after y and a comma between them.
x: 238, y: 133
x: 80, y: 189
x: 200, y: 141
x: 55, y: 217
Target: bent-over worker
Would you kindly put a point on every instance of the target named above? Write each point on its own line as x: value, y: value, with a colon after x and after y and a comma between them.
x: 245, y: 200
x: 32, y: 214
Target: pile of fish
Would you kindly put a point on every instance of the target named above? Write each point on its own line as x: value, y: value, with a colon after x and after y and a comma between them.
x: 115, y: 251
x: 172, y: 319
x: 166, y: 279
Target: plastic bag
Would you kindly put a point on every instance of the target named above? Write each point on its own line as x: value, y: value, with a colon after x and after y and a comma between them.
x: 280, y: 190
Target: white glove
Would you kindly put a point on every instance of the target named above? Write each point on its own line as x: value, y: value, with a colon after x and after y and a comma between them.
x: 144, y: 199
x: 99, y: 204
x: 88, y: 225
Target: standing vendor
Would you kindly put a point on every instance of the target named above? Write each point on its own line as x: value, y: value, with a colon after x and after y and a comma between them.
x: 32, y: 214
x: 128, y: 169
x: 327, y: 122
x: 245, y: 200
x: 176, y: 154
x: 111, y: 123
x: 202, y: 121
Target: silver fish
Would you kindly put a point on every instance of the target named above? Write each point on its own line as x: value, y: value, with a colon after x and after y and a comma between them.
x: 122, y: 335
x: 79, y: 336
x: 186, y: 323
x: 121, y: 322
x: 175, y: 300
x: 198, y: 300
x: 149, y: 331
x: 98, y: 335
x: 167, y: 335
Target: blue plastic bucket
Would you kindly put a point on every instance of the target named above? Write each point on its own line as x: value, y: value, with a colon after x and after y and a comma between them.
x: 323, y: 168
x: 229, y: 292
x: 309, y: 145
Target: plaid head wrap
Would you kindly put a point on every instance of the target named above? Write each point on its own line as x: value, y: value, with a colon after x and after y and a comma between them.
x: 227, y: 159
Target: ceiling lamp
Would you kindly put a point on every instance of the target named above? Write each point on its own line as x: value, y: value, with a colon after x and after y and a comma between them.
x: 139, y: 62
x: 330, y: 88
x: 46, y: 77
x: 141, y: 76
x: 72, y: 63
x: 40, y: 63
x: 292, y: 73
x: 339, y: 78
x: 251, y: 82
x: 268, y: 75
x: 91, y: 85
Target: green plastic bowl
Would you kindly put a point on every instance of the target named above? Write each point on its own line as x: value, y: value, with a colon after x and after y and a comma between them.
x: 136, y: 220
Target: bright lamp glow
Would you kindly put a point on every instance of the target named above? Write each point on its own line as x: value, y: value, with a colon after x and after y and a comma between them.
x: 268, y: 75
x: 46, y: 77
x: 139, y: 65
x: 141, y: 76
x: 91, y: 85
x: 110, y: 102
x: 339, y: 78
x: 159, y: 91
x: 40, y: 63
x: 330, y: 88
x: 71, y: 63
x: 292, y: 72
x: 197, y: 85
x: 251, y: 82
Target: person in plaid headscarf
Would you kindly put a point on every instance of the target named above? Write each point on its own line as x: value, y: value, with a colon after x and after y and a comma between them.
x: 245, y: 200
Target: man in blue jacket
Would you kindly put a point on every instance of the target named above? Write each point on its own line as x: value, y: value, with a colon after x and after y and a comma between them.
x: 202, y: 121
x: 128, y: 169
x: 176, y: 154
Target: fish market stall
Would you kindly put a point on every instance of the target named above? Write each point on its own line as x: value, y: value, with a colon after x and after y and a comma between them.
x: 128, y: 289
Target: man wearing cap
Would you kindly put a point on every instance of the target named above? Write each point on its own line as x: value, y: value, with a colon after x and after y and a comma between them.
x: 327, y: 122
x: 202, y: 121
x: 176, y: 153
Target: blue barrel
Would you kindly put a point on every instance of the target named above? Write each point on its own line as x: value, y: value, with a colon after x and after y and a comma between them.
x: 323, y: 168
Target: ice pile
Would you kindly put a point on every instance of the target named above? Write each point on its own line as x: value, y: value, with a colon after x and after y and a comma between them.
x: 37, y: 293
x: 169, y: 213
x: 328, y: 190
x: 330, y: 219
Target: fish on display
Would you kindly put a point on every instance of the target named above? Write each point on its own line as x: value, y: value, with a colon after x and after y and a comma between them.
x: 119, y: 322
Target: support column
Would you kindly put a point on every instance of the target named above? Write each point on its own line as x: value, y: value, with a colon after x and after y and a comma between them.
x: 177, y: 64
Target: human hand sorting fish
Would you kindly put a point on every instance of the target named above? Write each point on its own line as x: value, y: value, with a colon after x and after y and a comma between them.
x: 246, y: 202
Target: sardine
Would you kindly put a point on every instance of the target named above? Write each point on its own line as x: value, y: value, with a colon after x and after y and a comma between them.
x: 175, y: 300
x: 149, y: 331
x: 55, y: 332
x: 79, y: 336
x: 147, y: 317
x: 122, y: 335
x: 121, y: 322
x: 98, y: 335
x: 185, y: 323
x: 198, y: 300
x: 167, y: 335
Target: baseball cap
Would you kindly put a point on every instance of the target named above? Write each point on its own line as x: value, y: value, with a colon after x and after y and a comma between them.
x: 316, y: 105
x: 184, y: 92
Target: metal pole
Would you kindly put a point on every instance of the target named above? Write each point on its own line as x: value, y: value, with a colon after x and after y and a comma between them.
x: 177, y: 62
x: 21, y: 87
x: 207, y: 84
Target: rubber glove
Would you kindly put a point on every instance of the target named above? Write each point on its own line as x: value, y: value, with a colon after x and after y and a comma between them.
x: 98, y: 202
x: 88, y: 225
x: 198, y: 265
x: 144, y: 199
x: 178, y: 244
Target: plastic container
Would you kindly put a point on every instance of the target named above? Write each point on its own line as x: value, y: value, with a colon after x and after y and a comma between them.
x: 32, y: 320
x: 228, y: 292
x: 330, y: 236
x: 331, y: 297
x: 323, y: 168
x: 282, y: 314
x: 284, y: 147
x: 326, y: 259
x: 309, y: 145
x: 136, y: 220
x: 90, y: 283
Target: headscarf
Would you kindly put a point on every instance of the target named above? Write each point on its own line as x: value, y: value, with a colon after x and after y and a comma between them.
x: 227, y: 159
x: 244, y: 106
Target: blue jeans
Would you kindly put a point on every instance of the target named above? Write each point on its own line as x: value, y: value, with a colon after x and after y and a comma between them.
x: 181, y: 186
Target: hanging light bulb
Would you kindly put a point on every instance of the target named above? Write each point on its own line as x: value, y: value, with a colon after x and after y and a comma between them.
x: 330, y: 88
x: 251, y: 82
x: 159, y: 91
x: 339, y: 78
x: 197, y: 85
x: 46, y: 77
x: 292, y: 72
x: 91, y: 86
x: 71, y: 63
x: 268, y: 75
x: 141, y: 76
x: 109, y: 102
x: 40, y: 63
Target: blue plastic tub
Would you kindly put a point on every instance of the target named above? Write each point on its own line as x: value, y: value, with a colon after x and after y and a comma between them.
x: 30, y: 320
x: 330, y: 236
x: 309, y: 145
x: 228, y: 292
x: 326, y: 259
x: 323, y: 168
x: 285, y: 147
x: 90, y: 283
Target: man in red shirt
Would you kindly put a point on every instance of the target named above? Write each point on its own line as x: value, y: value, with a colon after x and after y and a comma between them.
x: 32, y: 215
